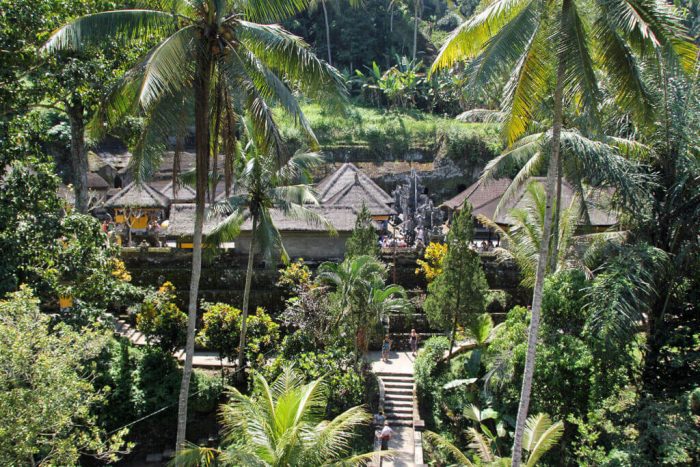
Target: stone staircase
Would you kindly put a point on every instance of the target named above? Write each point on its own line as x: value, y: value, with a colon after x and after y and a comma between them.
x: 398, y: 392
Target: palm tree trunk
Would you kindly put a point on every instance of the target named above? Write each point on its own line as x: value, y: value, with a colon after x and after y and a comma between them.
x: 416, y: 4
x: 202, y: 140
x: 78, y: 155
x: 328, y: 31
x: 246, y: 300
x: 215, y: 144
x: 552, y: 171
x: 454, y: 322
x: 554, y: 255
x: 176, y: 165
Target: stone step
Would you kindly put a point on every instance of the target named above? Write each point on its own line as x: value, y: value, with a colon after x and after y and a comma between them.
x: 397, y: 379
x: 392, y: 404
x: 399, y: 416
x: 398, y: 393
x: 399, y: 422
x: 396, y: 384
x: 383, y: 374
x: 397, y: 410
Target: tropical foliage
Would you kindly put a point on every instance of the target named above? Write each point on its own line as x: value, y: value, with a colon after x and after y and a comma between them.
x: 267, y: 429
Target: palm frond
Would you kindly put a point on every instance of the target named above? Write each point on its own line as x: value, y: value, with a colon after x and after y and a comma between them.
x: 440, y: 441
x: 528, y: 85
x: 292, y: 58
x: 195, y: 456
x: 540, y: 436
x: 480, y: 445
x: 272, y: 10
x: 120, y: 25
x: 170, y: 67
x: 468, y: 39
x: 579, y: 74
x: 531, y: 168
x: 516, y: 156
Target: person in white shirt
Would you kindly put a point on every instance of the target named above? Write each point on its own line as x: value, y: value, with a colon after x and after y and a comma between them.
x: 385, y: 435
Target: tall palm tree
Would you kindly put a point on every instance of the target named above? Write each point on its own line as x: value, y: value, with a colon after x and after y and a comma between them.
x: 313, y: 5
x: 205, y: 40
x: 281, y: 425
x: 517, y: 35
x: 261, y: 187
x: 359, y: 282
x: 540, y: 436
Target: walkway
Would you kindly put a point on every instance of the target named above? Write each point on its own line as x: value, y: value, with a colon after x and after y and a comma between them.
x: 200, y: 359
x: 397, y: 394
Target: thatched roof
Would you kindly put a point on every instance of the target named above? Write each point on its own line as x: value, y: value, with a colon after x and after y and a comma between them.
x: 95, y: 182
x: 485, y: 196
x: 140, y: 196
x: 184, y: 193
x: 350, y: 187
x: 482, y: 195
x: 182, y: 220
x: 597, y: 201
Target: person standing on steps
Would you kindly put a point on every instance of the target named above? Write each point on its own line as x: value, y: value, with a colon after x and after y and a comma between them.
x: 386, y: 346
x: 385, y: 435
x: 414, y: 341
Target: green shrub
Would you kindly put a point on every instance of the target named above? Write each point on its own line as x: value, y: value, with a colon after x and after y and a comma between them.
x: 345, y: 382
x: 427, y: 361
x: 222, y: 327
x: 160, y: 319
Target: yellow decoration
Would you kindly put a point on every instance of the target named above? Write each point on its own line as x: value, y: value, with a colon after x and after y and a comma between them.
x: 65, y: 301
x: 431, y: 264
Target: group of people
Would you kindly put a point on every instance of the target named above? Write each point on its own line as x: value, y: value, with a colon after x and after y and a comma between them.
x: 483, y: 246
x: 386, y: 344
x: 387, y: 241
x: 116, y: 232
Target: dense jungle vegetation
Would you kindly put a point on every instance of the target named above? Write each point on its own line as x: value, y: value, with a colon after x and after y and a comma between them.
x: 601, y: 368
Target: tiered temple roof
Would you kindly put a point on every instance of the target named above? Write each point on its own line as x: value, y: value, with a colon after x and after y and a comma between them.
x: 350, y: 187
x: 141, y: 196
x: 484, y: 197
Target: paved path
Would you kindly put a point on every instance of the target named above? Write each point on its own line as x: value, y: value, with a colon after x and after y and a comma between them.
x: 399, y: 362
x: 200, y: 359
x: 396, y: 379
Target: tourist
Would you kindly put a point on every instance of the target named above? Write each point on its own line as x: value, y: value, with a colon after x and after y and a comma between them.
x: 386, y: 346
x: 385, y: 435
x: 379, y: 418
x: 414, y: 342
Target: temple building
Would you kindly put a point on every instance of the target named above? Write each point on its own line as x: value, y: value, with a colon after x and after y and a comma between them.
x: 484, y: 197
x: 350, y: 187
x: 300, y: 238
x: 135, y: 205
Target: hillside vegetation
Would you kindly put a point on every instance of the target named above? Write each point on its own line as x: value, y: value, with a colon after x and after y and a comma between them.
x: 394, y: 132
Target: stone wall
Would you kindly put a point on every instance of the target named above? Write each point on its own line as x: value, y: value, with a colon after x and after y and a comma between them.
x: 223, y: 278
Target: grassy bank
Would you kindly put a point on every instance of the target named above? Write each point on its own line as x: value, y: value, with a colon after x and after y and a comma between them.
x: 394, y: 131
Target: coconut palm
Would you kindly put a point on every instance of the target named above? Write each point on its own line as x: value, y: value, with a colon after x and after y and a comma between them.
x: 540, y: 435
x: 313, y: 5
x: 517, y: 35
x: 359, y: 283
x: 261, y: 188
x: 204, y: 41
x: 281, y: 425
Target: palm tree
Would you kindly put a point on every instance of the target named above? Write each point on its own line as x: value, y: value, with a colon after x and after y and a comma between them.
x: 261, y: 187
x: 205, y: 40
x: 540, y: 435
x: 282, y: 425
x: 517, y: 35
x: 359, y: 283
x: 313, y: 5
